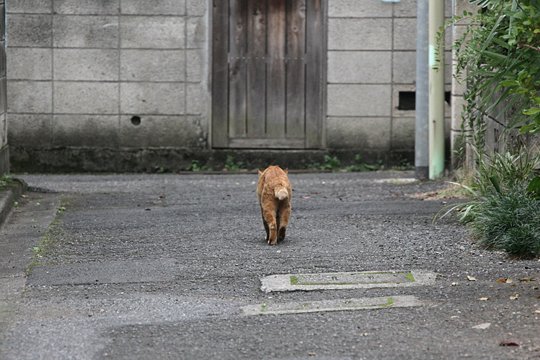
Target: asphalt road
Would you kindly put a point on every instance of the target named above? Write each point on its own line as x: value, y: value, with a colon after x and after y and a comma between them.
x: 161, y: 266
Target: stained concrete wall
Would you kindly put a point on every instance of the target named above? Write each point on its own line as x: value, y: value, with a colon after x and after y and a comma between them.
x: 4, y: 150
x: 371, y: 59
x: 120, y: 76
x: 113, y: 84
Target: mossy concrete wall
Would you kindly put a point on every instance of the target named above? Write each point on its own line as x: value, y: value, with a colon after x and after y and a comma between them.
x: 91, y: 79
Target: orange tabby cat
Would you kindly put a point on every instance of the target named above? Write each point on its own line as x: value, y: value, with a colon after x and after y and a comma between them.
x: 274, y: 193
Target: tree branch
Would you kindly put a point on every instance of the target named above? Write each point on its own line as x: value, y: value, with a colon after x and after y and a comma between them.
x: 529, y: 47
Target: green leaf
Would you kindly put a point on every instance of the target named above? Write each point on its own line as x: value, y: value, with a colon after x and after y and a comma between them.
x: 495, y: 56
x: 534, y: 187
x: 509, y: 83
x: 495, y: 182
x: 501, y: 43
x: 531, y: 111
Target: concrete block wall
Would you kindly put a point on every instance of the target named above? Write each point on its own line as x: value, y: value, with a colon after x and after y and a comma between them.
x: 110, y: 74
x: 4, y: 150
x: 371, y: 59
x: 114, y: 78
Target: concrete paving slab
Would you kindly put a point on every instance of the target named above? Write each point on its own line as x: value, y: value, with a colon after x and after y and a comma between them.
x: 347, y: 280
x: 397, y: 181
x: 301, y: 307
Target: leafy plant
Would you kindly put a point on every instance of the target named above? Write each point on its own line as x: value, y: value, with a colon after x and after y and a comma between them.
x: 504, y: 172
x: 359, y: 165
x: 508, y: 221
x: 5, y: 180
x: 502, y: 211
x: 330, y: 163
x: 534, y: 187
x: 499, y: 55
x: 196, y: 166
x: 231, y: 164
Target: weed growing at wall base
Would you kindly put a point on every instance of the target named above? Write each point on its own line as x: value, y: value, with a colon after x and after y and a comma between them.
x: 5, y: 180
x: 509, y: 222
x: 504, y: 206
x: 232, y: 165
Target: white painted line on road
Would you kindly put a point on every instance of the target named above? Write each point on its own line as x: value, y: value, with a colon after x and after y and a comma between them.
x: 384, y: 302
x: 347, y: 280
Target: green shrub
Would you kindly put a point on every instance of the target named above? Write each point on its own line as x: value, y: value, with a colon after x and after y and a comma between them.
x: 508, y: 221
x: 504, y: 172
x: 504, y: 206
x: 500, y: 56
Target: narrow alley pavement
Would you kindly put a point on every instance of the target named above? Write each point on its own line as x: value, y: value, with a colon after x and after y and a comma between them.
x: 170, y: 267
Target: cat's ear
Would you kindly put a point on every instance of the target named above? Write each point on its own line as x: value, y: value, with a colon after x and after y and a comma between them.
x: 260, y: 172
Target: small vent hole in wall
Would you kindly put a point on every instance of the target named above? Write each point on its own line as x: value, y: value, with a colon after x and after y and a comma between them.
x: 136, y: 120
x: 407, y: 100
x: 447, y: 98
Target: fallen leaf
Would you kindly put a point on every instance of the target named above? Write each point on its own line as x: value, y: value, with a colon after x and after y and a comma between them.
x: 527, y: 279
x: 471, y: 278
x: 454, y: 284
x: 537, y: 311
x: 482, y: 326
x: 514, y: 297
x: 312, y: 353
x: 504, y: 280
x: 509, y: 342
x: 483, y: 299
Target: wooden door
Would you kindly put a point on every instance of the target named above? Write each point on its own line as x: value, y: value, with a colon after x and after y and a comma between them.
x: 267, y: 74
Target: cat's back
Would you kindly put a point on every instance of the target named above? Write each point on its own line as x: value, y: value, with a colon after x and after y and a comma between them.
x: 272, y: 176
x: 274, y: 171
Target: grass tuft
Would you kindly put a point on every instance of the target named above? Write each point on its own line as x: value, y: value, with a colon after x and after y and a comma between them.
x: 504, y: 204
x: 509, y: 222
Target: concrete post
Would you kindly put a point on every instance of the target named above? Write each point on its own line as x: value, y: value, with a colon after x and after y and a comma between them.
x: 421, y: 147
x: 436, y: 90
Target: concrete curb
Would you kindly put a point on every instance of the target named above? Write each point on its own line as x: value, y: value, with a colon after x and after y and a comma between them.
x: 348, y: 280
x: 8, y: 196
x: 332, y: 305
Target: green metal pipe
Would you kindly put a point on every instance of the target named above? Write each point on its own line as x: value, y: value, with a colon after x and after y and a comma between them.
x: 436, y: 90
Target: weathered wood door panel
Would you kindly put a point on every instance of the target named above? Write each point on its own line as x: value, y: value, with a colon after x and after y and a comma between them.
x: 267, y: 67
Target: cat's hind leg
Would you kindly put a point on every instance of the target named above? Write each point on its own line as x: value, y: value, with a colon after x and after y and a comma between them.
x: 266, y: 229
x: 269, y: 216
x: 284, y: 215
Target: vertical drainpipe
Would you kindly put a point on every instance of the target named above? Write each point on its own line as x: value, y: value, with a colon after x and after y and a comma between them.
x: 421, y: 147
x: 436, y: 90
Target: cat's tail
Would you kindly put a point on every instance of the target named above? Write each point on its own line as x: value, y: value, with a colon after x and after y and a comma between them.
x: 281, y: 193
